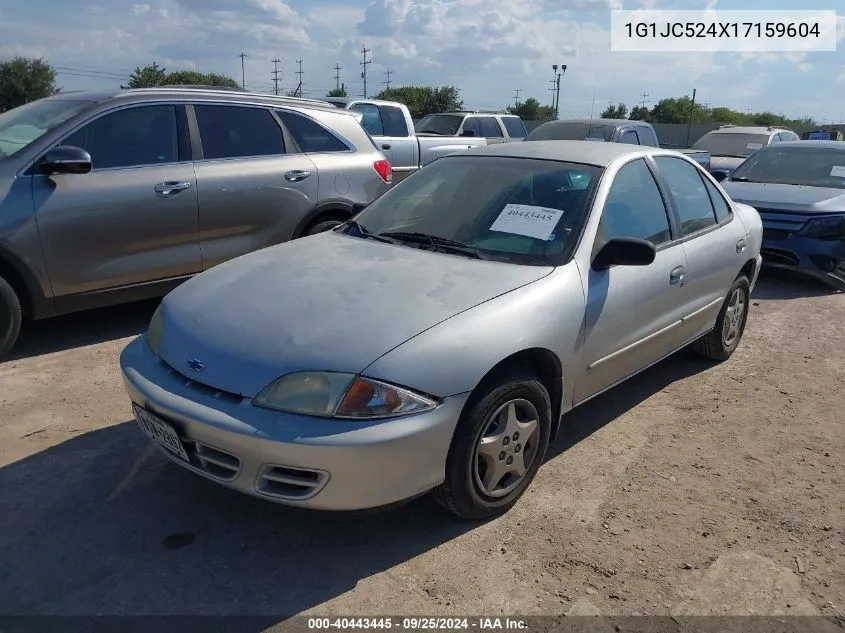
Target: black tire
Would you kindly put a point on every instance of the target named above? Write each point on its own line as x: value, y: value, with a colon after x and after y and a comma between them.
x: 462, y: 493
x: 322, y: 225
x: 10, y: 317
x: 717, y: 344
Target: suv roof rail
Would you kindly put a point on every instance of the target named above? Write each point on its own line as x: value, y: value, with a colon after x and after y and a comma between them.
x: 721, y: 127
x: 228, y: 91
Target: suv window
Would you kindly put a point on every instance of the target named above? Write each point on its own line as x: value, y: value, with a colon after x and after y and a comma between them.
x: 634, y: 207
x: 394, y: 122
x: 238, y: 132
x: 371, y: 120
x: 472, y: 124
x: 490, y: 127
x: 691, y: 198
x: 630, y: 136
x: 720, y: 205
x: 310, y: 136
x: 142, y: 135
x: 647, y: 136
x: 515, y: 127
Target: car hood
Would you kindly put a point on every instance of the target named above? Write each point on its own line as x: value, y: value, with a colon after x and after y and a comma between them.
x: 725, y: 163
x: 796, y: 198
x: 327, y: 302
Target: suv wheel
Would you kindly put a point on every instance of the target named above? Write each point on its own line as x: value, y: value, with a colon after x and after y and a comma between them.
x: 321, y: 225
x: 10, y: 317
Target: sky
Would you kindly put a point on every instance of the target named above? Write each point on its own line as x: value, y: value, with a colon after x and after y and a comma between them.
x: 489, y: 49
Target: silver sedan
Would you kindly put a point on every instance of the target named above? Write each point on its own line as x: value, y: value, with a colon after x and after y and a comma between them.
x: 434, y: 342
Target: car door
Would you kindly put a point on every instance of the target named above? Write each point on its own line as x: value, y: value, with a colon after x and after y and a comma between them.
x: 387, y: 126
x: 253, y: 192
x: 491, y: 130
x: 133, y: 218
x: 633, y: 313
x: 714, y: 241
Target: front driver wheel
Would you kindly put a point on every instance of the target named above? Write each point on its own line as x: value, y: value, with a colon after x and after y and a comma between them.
x: 10, y: 317
x: 723, y: 339
x: 498, y: 447
x: 322, y: 225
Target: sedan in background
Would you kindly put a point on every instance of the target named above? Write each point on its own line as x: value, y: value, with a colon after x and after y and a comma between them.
x: 433, y: 342
x: 799, y: 190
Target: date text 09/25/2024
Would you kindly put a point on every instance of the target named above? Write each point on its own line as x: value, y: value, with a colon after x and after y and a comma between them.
x: 418, y: 624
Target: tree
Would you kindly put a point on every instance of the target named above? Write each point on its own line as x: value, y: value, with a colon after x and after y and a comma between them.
x: 149, y: 76
x: 618, y: 111
x: 640, y: 113
x: 337, y: 92
x: 531, y: 110
x: 677, y: 110
x: 23, y: 80
x: 423, y: 100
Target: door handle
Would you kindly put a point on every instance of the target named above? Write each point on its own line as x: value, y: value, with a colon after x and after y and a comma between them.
x: 741, y: 245
x: 385, y: 146
x: 297, y: 175
x: 170, y: 188
x: 678, y: 275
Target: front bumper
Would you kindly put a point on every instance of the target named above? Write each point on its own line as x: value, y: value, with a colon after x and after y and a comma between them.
x: 292, y: 459
x: 823, y: 260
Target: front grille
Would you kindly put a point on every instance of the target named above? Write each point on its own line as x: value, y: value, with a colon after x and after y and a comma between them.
x: 218, y: 394
x: 287, y: 482
x: 779, y: 256
x: 216, y: 463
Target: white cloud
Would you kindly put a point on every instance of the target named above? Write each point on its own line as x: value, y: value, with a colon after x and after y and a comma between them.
x: 140, y: 9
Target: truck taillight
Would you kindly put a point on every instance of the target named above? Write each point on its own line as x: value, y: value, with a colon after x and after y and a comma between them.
x: 384, y: 170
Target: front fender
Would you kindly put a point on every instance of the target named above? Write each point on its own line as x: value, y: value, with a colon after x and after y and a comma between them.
x: 455, y: 355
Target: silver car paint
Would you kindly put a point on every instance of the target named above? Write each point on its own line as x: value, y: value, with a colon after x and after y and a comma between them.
x: 440, y: 325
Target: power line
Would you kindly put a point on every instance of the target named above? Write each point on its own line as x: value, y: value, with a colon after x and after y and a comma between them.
x: 337, y: 69
x: 516, y: 97
x: 364, y: 63
x: 243, y: 56
x: 275, y: 74
x: 387, y: 83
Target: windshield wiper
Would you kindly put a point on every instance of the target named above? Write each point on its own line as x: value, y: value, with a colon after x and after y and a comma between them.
x: 365, y: 233
x: 436, y: 241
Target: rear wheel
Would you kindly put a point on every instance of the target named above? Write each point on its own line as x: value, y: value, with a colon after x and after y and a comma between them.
x: 498, y: 447
x: 10, y: 317
x: 321, y: 225
x: 723, y: 339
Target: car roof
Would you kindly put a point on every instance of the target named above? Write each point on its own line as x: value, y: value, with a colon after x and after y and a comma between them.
x: 586, y: 152
x: 749, y: 129
x: 820, y: 144
x: 612, y: 122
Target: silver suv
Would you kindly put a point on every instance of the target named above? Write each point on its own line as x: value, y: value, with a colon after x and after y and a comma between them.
x: 113, y: 197
x: 730, y: 145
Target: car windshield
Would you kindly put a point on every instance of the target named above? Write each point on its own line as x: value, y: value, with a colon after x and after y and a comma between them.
x: 518, y: 210
x: 22, y: 125
x: 808, y: 166
x: 731, y: 143
x: 572, y: 132
x: 443, y: 124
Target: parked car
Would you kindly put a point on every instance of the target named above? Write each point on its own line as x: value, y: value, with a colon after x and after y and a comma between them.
x: 609, y: 131
x: 799, y: 190
x: 495, y: 127
x: 433, y: 342
x: 824, y: 133
x: 115, y: 196
x: 731, y: 144
x: 390, y: 125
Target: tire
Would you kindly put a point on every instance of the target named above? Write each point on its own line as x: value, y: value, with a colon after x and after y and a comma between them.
x: 322, y: 225
x: 721, y: 342
x: 467, y: 490
x: 10, y: 317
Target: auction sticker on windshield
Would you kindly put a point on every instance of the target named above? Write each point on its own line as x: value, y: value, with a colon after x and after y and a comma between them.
x: 754, y: 146
x: 527, y: 220
x: 838, y: 171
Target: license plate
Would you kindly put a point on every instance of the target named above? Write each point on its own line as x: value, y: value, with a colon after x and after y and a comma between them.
x: 160, y: 432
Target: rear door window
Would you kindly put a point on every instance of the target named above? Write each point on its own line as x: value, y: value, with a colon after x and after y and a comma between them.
x: 472, y: 124
x: 490, y: 127
x: 393, y: 122
x: 238, y: 132
x: 515, y: 127
x: 647, y: 136
x: 692, y: 201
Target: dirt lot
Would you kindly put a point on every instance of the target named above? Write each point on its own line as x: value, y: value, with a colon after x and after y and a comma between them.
x: 692, y: 489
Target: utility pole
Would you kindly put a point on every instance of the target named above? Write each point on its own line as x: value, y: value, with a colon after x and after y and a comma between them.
x: 516, y: 97
x: 645, y: 98
x: 691, y: 112
x: 299, y: 72
x: 337, y: 69
x: 275, y: 74
x: 364, y: 63
x: 388, y: 72
x: 243, y: 56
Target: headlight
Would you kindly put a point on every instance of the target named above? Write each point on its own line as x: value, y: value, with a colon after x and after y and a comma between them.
x: 337, y: 395
x: 155, y: 330
x: 830, y: 228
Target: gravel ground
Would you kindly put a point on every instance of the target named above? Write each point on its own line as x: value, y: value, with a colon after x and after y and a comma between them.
x: 692, y: 489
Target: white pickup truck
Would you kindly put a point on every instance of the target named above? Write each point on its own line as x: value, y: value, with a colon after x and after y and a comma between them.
x: 390, y: 125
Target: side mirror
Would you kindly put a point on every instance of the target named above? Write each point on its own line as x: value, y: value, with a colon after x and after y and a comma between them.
x: 65, y: 159
x: 719, y: 175
x: 468, y: 133
x: 624, y: 251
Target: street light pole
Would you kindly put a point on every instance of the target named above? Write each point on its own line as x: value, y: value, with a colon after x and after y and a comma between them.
x: 558, y: 75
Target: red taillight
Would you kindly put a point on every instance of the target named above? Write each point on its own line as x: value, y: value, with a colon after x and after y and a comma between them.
x: 384, y: 170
